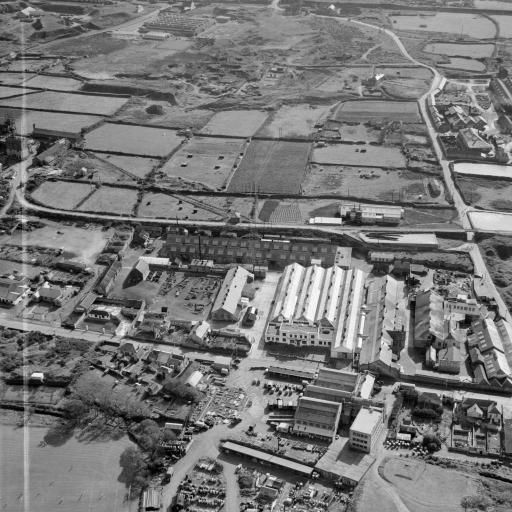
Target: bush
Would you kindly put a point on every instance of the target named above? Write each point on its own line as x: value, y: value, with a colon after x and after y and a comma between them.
x: 135, y: 470
x: 180, y: 390
x: 432, y: 442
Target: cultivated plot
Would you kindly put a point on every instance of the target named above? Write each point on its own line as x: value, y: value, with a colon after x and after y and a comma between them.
x: 119, y: 201
x: 26, y: 119
x: 61, y: 195
x: 272, y: 167
x: 371, y: 110
x: 359, y: 154
x: 134, y: 140
x: 67, y: 102
x: 205, y: 160
x: 235, y: 123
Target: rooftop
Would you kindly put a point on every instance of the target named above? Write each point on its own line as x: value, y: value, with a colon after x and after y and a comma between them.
x: 366, y: 420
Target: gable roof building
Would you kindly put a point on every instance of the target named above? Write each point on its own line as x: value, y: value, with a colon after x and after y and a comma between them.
x: 429, y: 323
x: 316, y: 418
x: 227, y: 303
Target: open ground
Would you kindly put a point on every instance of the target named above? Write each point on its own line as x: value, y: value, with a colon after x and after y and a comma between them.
x: 369, y: 182
x: 236, y: 123
x: 61, y: 194
x: 490, y: 194
x: 171, y: 207
x: 134, y: 140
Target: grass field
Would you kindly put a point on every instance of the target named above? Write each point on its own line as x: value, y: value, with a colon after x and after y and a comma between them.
x: 59, y: 83
x: 371, y: 110
x: 205, y: 160
x: 505, y: 23
x: 76, y: 476
x: 26, y: 119
x: 465, y: 64
x: 359, y: 133
x: 111, y: 200
x: 8, y: 78
x: 292, y: 121
x: 483, y: 170
x: 461, y: 50
x: 9, y: 92
x: 135, y: 140
x: 170, y: 207
x: 272, y: 167
x: 238, y: 123
x: 61, y: 194
x: 67, y: 102
x: 448, y: 22
x: 136, y: 165
x: 368, y: 182
x: 490, y: 194
x: 359, y: 154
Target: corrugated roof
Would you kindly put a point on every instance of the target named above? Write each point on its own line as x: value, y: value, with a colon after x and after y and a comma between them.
x: 268, y: 458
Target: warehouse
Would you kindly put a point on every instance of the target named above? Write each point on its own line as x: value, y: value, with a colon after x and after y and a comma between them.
x: 317, y: 418
x: 267, y: 458
x: 227, y: 305
x: 314, y: 306
x: 371, y: 214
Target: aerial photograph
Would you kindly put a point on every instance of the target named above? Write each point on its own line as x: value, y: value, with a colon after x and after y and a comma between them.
x: 255, y: 256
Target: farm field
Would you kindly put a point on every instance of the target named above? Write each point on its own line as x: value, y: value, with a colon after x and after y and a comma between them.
x: 489, y: 170
x: 61, y: 195
x: 405, y: 88
x: 359, y: 133
x: 9, y: 92
x: 71, y: 476
x: 237, y: 123
x: 369, y: 182
x: 26, y: 119
x: 137, y: 165
x: 110, y: 200
x: 464, y: 64
x: 474, y: 51
x: 9, y: 78
x: 272, y: 167
x: 67, y: 102
x: 490, y: 194
x: 505, y: 24
x: 59, y: 83
x: 293, y: 121
x: 359, y: 154
x: 370, y: 110
x: 205, y: 160
x: 135, y: 140
x: 169, y: 207
x: 446, y: 22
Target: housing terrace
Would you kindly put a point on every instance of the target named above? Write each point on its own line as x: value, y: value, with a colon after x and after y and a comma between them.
x: 276, y: 253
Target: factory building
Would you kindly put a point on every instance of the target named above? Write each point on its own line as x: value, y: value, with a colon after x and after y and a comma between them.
x: 366, y: 429
x: 317, y: 418
x: 371, y: 214
x: 227, y: 305
x: 275, y: 253
x: 314, y: 306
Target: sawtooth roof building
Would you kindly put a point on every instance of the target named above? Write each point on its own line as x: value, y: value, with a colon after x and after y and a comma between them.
x: 315, y: 306
x: 227, y: 304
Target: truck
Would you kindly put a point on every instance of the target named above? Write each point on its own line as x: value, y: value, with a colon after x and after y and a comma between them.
x: 250, y: 316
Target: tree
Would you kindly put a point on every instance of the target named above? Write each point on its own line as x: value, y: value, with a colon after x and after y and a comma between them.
x: 475, y: 502
x: 148, y: 433
x: 135, y: 470
x: 74, y: 409
x: 183, y: 391
x: 432, y: 442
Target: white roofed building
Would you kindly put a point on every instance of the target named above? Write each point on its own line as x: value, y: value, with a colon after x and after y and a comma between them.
x: 227, y: 305
x: 315, y: 306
